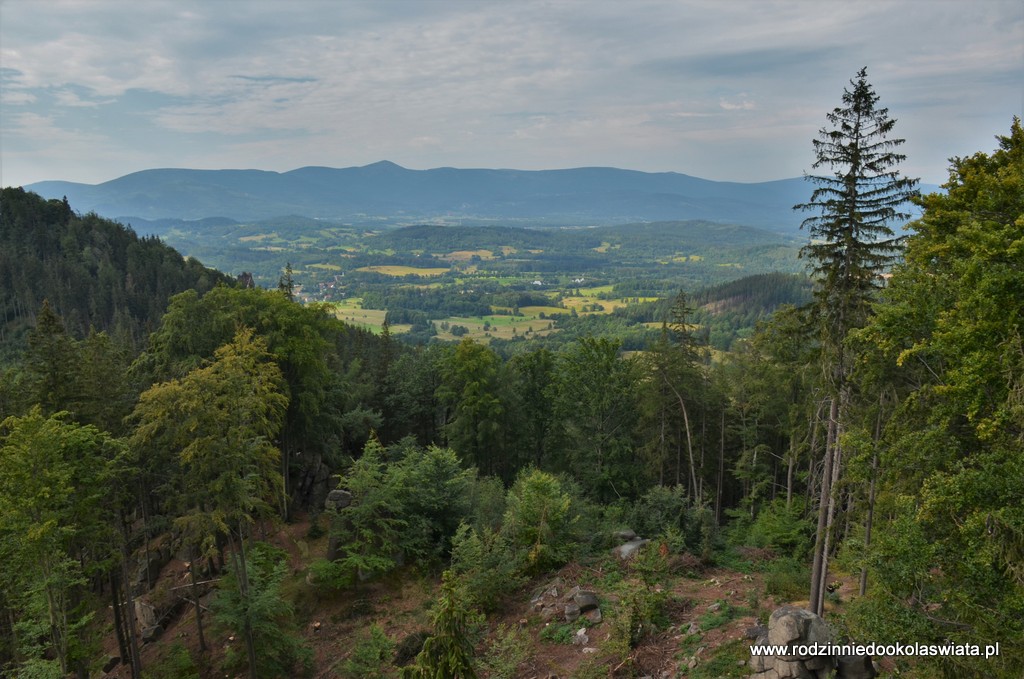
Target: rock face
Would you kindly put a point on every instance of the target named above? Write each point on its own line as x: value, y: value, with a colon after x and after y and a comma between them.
x: 794, y: 627
x: 552, y: 601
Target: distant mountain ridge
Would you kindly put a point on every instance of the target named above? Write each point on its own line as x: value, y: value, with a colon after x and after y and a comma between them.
x: 384, y: 190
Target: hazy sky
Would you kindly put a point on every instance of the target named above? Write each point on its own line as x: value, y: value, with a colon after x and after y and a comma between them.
x: 726, y: 89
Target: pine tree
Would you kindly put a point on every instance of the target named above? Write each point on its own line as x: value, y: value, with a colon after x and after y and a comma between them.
x: 852, y: 242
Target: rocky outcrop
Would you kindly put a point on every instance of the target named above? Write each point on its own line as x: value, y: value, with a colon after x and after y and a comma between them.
x: 797, y: 630
x: 553, y: 602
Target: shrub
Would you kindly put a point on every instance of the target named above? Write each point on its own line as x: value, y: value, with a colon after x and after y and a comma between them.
x: 539, y: 520
x: 279, y: 650
x: 370, y: 656
x: 783, y: 529
x: 787, y: 578
x: 509, y: 650
x: 487, y: 564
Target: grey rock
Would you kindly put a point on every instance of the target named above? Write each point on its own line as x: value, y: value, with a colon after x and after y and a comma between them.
x: 151, y: 633
x: 855, y: 667
x: 586, y: 600
x: 790, y: 626
x: 593, y: 616
x: 572, y: 612
x: 756, y: 631
x: 627, y: 550
x: 337, y: 499
x: 625, y: 535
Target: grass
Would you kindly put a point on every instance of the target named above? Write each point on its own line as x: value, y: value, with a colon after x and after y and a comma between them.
x: 725, y: 662
x: 466, y: 255
x: 395, y: 270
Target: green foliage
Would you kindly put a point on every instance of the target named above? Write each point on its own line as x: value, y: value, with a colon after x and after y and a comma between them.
x: 726, y: 662
x: 639, y: 613
x: 487, y: 565
x: 448, y: 652
x: 175, y: 663
x: 412, y: 506
x: 279, y: 649
x: 97, y: 273
x: 660, y: 509
x: 56, y: 480
x: 471, y: 392
x: 371, y: 657
x: 852, y: 240
x: 715, y: 619
x: 539, y: 520
x: 487, y: 502
x: 948, y: 332
x: 558, y: 633
x: 784, y: 529
x: 786, y: 579
x: 508, y: 649
x: 217, y: 425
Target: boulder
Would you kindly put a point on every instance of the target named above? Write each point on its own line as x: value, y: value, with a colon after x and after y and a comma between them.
x: 855, y: 667
x: 151, y: 633
x: 572, y: 612
x: 627, y: 550
x: 586, y: 600
x: 793, y: 627
x: 337, y: 499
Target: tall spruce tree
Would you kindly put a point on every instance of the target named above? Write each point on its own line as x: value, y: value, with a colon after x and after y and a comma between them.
x: 852, y: 243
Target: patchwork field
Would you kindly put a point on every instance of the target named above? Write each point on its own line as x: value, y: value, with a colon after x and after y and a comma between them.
x: 397, y: 270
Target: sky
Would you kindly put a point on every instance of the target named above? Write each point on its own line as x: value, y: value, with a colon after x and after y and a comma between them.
x: 731, y: 90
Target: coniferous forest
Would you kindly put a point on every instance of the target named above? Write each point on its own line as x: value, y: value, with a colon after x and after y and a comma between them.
x: 157, y: 414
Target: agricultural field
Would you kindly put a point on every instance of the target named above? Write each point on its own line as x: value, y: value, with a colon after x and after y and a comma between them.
x: 499, y: 284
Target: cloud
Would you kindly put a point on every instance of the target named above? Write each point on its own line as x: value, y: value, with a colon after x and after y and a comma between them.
x: 742, y: 105
x: 730, y: 90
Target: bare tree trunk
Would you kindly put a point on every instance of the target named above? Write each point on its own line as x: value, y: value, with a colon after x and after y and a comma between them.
x: 871, y: 497
x: 116, y: 602
x: 195, y: 599
x: 689, y: 441
x: 243, y: 589
x: 721, y: 469
x: 819, y: 566
x: 790, y: 470
x: 134, y: 659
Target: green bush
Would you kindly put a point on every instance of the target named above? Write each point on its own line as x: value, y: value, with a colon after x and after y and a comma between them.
x: 783, y: 529
x: 279, y: 649
x: 371, y: 656
x: 558, y: 633
x: 487, y: 564
x: 787, y: 579
x: 660, y: 509
x: 504, y: 655
x: 539, y: 520
x: 176, y: 663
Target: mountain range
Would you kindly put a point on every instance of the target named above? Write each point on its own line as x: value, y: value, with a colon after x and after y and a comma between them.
x: 386, y: 191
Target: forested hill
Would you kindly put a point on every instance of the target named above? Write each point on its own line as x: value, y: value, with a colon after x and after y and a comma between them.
x: 94, y: 272
x: 592, y: 195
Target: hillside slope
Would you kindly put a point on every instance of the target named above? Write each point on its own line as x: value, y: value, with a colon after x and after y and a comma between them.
x: 95, y: 273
